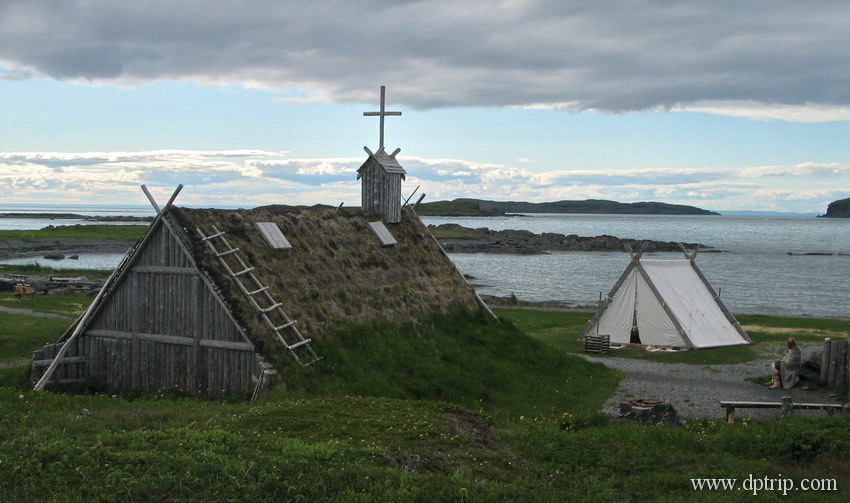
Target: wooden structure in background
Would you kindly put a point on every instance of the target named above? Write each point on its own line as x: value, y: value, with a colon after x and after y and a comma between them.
x: 380, y: 190
x: 158, y: 324
x: 185, y: 311
x: 597, y: 343
x: 205, y: 292
x: 835, y: 363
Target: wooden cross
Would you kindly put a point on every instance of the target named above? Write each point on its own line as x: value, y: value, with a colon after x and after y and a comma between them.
x: 382, y: 113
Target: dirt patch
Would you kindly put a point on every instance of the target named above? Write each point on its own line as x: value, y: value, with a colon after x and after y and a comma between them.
x: 792, y: 331
x: 409, y: 461
x: 471, y: 428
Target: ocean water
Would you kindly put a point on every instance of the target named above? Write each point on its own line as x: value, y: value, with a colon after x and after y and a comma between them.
x: 761, y: 270
x: 77, y: 209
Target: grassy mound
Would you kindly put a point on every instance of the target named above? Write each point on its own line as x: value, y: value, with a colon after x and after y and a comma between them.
x: 465, y: 358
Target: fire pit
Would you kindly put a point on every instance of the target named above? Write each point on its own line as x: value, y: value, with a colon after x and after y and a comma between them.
x: 649, y: 410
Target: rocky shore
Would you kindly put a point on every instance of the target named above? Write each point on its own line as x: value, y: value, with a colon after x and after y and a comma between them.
x: 15, y: 248
x: 458, y: 239
x: 74, y: 216
x: 453, y: 237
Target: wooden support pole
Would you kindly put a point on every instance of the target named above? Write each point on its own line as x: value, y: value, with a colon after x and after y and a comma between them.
x: 824, y: 361
x: 151, y: 199
x: 787, y: 406
x: 411, y: 195
x: 832, y: 369
x: 841, y: 363
x: 847, y: 367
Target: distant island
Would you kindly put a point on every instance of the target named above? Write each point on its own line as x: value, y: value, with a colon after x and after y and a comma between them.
x: 838, y: 209
x: 483, y: 208
x: 455, y: 238
x: 74, y: 216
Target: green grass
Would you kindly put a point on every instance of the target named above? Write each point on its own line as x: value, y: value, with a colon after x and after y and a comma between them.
x: 630, y: 462
x: 463, y: 233
x: 66, y: 305
x: 381, y: 449
x: 778, y: 329
x: 466, y: 359
x: 455, y: 408
x: 561, y: 330
x: 21, y: 335
x: 110, y: 232
x: 42, y: 270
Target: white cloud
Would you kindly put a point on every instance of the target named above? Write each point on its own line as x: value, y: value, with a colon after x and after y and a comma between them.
x: 256, y: 177
x: 807, y: 113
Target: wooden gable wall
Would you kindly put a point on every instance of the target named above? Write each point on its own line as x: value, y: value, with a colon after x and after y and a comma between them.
x: 162, y: 329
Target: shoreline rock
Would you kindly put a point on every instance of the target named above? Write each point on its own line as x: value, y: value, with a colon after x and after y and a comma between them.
x: 38, y: 248
x: 522, y: 242
x: 74, y: 216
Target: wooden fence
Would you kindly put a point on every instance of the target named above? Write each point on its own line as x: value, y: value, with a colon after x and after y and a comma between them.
x: 835, y: 363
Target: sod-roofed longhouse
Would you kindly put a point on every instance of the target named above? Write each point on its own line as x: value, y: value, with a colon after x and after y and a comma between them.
x: 185, y: 312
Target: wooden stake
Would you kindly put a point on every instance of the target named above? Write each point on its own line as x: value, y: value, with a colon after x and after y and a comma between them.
x: 787, y: 406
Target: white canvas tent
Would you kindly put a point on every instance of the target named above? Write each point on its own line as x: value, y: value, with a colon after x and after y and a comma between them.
x: 666, y: 303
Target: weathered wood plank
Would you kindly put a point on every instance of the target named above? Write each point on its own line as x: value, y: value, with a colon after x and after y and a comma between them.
x: 171, y: 339
x: 825, y: 360
x: 272, y: 235
x: 153, y: 269
x: 62, y: 361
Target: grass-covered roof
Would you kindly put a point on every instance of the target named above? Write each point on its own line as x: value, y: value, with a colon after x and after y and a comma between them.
x: 336, y: 273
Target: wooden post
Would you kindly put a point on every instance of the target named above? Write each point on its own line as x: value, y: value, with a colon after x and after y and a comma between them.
x: 840, y: 362
x: 847, y: 368
x: 787, y: 406
x: 824, y: 361
x: 598, y: 312
x: 730, y: 414
x: 832, y: 371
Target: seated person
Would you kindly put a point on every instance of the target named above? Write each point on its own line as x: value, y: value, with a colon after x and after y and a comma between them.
x: 784, y: 372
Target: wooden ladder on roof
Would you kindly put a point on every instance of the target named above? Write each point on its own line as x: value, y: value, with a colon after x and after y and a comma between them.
x: 272, y: 314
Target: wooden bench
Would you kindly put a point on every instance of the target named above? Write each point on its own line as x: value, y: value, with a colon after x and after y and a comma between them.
x: 786, y: 405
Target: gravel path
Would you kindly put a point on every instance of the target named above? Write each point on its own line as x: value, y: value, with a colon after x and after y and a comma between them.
x: 37, y: 314
x: 695, y: 391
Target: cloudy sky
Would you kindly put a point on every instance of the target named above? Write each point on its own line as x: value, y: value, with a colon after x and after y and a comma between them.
x: 723, y: 105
